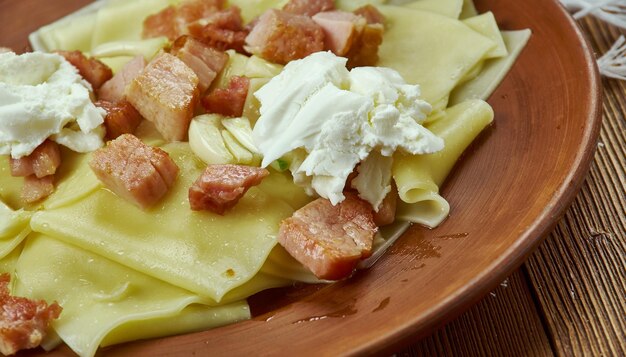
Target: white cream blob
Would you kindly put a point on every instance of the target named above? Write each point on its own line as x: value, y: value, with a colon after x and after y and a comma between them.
x: 339, y: 118
x: 43, y: 96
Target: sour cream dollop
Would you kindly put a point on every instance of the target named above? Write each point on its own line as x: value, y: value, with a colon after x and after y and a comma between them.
x: 41, y: 96
x: 340, y: 118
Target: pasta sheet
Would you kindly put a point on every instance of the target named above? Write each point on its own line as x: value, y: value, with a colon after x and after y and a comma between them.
x: 199, y: 251
x: 105, y: 302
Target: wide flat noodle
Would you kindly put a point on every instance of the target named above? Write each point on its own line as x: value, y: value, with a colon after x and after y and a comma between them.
x: 98, y: 307
x: 123, y: 20
x: 418, y: 177
x: 199, y: 251
x: 253, y: 8
x: 448, y: 8
x: 444, y: 52
x: 486, y: 25
x: 10, y: 187
x: 74, y: 33
x: 493, y: 71
x: 468, y: 10
x: 14, y: 227
x: 8, y: 262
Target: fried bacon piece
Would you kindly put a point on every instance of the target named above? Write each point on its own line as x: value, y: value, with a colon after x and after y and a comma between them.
x: 371, y: 14
x: 340, y: 30
x: 205, y: 61
x: 134, y: 171
x: 220, y: 187
x: 94, y: 71
x: 327, y: 239
x: 23, y: 322
x: 281, y: 37
x: 166, y: 93
x: 222, y: 30
x: 121, y: 118
x: 364, y: 49
x: 228, y: 101
x: 114, y: 89
x: 172, y: 21
x: 43, y: 161
x: 308, y: 7
x: 36, y: 189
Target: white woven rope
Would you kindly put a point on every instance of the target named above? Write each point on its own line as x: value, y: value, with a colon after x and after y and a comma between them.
x: 613, y: 63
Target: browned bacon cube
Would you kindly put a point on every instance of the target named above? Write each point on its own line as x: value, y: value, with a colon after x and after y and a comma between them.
x: 340, y: 29
x: 281, y: 37
x: 166, y: 93
x: 308, y: 7
x: 172, y: 21
x: 205, y: 61
x: 23, y: 322
x: 364, y: 49
x: 220, y: 187
x: 36, y: 189
x: 330, y: 240
x: 114, y: 89
x: 134, y: 171
x: 94, y: 71
x: 228, y: 101
x: 121, y: 118
x: 371, y: 14
x: 43, y: 161
x: 222, y: 30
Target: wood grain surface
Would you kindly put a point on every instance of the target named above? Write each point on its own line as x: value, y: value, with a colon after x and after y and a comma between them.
x: 569, y: 299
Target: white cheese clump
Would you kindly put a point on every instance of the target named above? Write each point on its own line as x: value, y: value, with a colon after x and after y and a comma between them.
x: 43, y: 96
x: 340, y: 118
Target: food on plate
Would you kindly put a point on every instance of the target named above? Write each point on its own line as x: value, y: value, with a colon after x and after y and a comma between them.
x: 220, y: 187
x: 23, y: 322
x: 166, y: 93
x: 249, y: 145
x: 134, y: 171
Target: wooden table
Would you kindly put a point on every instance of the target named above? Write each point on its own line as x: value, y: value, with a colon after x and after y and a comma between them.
x: 569, y: 298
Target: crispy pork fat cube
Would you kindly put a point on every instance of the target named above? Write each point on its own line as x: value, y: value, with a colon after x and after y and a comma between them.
x: 134, y: 171
x: 308, y: 7
x: 94, y: 71
x: 166, y: 93
x: 222, y: 30
x: 281, y: 37
x: 364, y: 49
x: 205, y: 61
x: 23, y: 322
x: 340, y: 30
x: 228, y: 101
x: 330, y: 240
x: 172, y: 21
x: 220, y: 187
x: 114, y: 89
x: 36, y: 189
x: 371, y: 14
x: 43, y: 161
x: 121, y: 118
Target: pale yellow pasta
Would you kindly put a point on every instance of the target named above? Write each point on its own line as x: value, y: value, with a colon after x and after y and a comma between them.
x: 419, y: 177
x: 98, y: 307
x: 10, y: 186
x: 486, y: 25
x: 494, y: 70
x: 14, y: 228
x: 439, y: 58
x: 71, y: 34
x: 117, y: 20
x: 7, y: 263
x: 468, y: 10
x: 199, y: 251
x: 448, y: 8
x: 253, y: 8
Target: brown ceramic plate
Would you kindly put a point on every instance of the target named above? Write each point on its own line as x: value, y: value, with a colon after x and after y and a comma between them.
x: 506, y: 194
